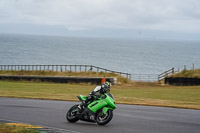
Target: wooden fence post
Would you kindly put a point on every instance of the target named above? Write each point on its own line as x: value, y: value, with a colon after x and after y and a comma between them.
x: 184, y: 67
x: 61, y: 69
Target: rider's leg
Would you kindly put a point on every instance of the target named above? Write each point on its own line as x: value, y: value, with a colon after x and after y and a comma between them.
x: 83, y: 105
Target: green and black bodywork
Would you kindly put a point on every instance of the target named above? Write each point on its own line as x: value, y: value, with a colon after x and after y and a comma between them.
x: 100, y: 110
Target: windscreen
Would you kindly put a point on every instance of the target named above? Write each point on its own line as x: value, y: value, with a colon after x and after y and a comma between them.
x: 109, y: 94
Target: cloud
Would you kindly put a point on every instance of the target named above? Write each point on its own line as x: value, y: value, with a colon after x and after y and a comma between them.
x: 171, y: 15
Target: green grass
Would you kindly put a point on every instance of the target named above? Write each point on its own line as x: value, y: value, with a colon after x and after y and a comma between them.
x: 186, y: 97
x: 42, y: 90
x: 134, y: 93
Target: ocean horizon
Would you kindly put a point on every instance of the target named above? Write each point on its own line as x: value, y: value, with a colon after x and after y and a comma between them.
x: 134, y: 56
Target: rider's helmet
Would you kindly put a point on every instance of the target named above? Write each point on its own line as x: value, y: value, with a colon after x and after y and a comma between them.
x: 106, y: 86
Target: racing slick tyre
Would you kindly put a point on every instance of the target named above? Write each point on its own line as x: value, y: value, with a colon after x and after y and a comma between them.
x: 105, y: 118
x: 72, y: 114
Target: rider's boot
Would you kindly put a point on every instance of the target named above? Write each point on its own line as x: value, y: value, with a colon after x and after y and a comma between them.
x: 82, y: 106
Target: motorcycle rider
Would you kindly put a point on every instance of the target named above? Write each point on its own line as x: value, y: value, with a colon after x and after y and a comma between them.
x: 96, y: 93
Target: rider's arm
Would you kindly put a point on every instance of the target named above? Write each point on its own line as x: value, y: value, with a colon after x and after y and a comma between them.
x: 98, y: 88
x: 95, y: 92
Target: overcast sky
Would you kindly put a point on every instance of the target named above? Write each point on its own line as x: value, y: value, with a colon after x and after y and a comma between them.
x: 163, y: 15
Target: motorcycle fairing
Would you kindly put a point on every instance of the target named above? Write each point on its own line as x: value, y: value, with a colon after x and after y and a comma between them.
x: 82, y: 97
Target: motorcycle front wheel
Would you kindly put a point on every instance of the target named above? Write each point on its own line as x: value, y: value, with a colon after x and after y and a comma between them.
x: 72, y: 114
x: 105, y: 118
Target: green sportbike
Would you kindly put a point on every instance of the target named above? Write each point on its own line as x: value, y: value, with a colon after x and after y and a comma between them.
x: 100, y: 110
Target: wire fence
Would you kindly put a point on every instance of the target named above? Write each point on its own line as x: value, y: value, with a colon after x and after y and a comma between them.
x: 144, y: 77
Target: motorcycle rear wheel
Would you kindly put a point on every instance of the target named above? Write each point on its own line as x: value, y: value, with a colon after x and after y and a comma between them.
x: 71, y: 115
x: 104, y: 119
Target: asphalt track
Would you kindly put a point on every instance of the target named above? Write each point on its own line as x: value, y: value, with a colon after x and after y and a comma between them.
x: 127, y: 118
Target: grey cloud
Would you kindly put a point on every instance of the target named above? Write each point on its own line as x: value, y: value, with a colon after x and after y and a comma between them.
x: 95, y: 14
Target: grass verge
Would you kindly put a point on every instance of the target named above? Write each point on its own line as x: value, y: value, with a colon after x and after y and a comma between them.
x: 4, y: 128
x: 120, y: 79
x: 188, y: 74
x: 135, y: 93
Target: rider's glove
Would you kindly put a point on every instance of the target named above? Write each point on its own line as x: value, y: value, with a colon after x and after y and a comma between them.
x: 89, y: 97
x: 98, y: 96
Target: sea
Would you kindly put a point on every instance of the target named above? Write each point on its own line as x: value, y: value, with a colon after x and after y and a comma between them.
x: 134, y: 56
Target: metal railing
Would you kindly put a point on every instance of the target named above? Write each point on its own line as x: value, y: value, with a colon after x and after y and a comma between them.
x: 61, y: 68
x: 145, y: 77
